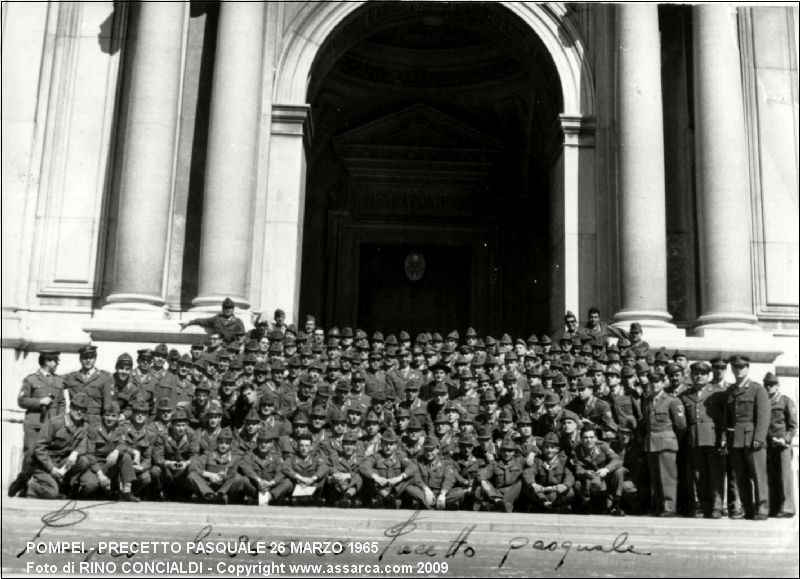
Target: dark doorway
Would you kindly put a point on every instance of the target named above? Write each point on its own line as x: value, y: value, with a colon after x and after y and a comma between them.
x: 414, y: 288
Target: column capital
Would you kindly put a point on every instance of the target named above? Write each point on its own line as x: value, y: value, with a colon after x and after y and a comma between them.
x: 578, y: 131
x: 291, y: 120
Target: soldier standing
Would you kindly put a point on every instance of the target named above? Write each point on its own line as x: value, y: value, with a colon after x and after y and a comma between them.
x: 782, y: 430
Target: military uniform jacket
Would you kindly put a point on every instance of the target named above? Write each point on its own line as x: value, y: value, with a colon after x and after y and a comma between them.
x: 58, y: 438
x: 98, y: 386
x: 399, y: 377
x: 101, y: 442
x: 705, y: 415
x: 208, y: 439
x: 749, y: 413
x: 169, y: 448
x: 466, y: 469
x: 569, y: 444
x: 784, y: 418
x: 502, y: 474
x: 243, y: 442
x: 595, y: 410
x: 35, y: 387
x: 375, y: 381
x: 215, y: 462
x: 351, y: 466
x: 270, y: 467
x: 275, y: 424
x: 471, y: 404
x: 437, y: 475
x: 226, y: 327
x: 140, y: 439
x: 547, y: 474
x: 418, y: 409
x: 626, y: 408
x: 601, y: 456
x: 664, y: 422
x: 371, y: 444
x: 312, y: 465
x: 388, y: 467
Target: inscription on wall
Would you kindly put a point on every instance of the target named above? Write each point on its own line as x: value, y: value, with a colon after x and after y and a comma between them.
x: 414, y: 202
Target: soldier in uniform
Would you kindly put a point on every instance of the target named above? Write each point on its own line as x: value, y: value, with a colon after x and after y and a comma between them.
x: 635, y: 483
x: 138, y: 444
x: 598, y: 473
x: 97, y: 384
x: 387, y: 474
x: 782, y: 429
x: 105, y: 465
x: 434, y: 486
x: 173, y: 453
x: 306, y: 468
x: 664, y: 424
x: 705, y: 420
x: 501, y: 480
x: 748, y: 416
x: 228, y: 325
x: 590, y: 407
x: 344, y: 480
x: 213, y: 476
x: 548, y: 482
x: 262, y: 471
x: 42, y: 398
x: 61, y: 442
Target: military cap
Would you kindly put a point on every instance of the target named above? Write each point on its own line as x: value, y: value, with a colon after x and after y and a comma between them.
x: 266, y: 435
x: 261, y: 368
x: 642, y: 367
x: 250, y: 359
x: 357, y: 376
x: 228, y: 378
x: 349, y: 438
x: 570, y: 415
x: 452, y: 407
x: 377, y: 337
x: 300, y: 418
x: 224, y: 355
x: 355, y: 410
x: 228, y: 303
x: 655, y: 376
x: 332, y: 343
x: 560, y: 380
x: 164, y: 405
x: 448, y: 349
x: 489, y: 396
x: 739, y: 360
x: 372, y: 417
x: 338, y: 416
x: 276, y: 347
x: 718, y: 363
x: 441, y: 418
x: 428, y: 351
x: 550, y: 438
x: 439, y: 389
x: 545, y: 339
x: 200, y: 363
x: 673, y: 369
x: 318, y: 412
x: 347, y: 355
x: 467, y: 419
x: 537, y: 390
x: 161, y: 350
x: 596, y: 368
x: 346, y: 333
x: 524, y: 418
x: 509, y: 377
x: 453, y: 335
x: 402, y: 413
x: 430, y: 443
x: 483, y: 433
x: 412, y: 385
x: 391, y: 340
x: 252, y: 416
x: 463, y: 350
x: 628, y: 371
x: 436, y: 337
x: 175, y: 355
x: 360, y: 334
x: 342, y: 386
x: 661, y: 356
x: 770, y: 379
x: 508, y: 444
x: 267, y: 399
x: 552, y: 399
x: 140, y: 406
x: 623, y: 343
x: 186, y: 359
x: 375, y: 356
x: 225, y: 434
x: 490, y: 342
x: 505, y: 416
x: 203, y: 387
x: 324, y: 390
x: 585, y: 382
x: 440, y: 366
x: 613, y: 356
x: 307, y: 381
x: 625, y: 428
x: 611, y: 371
x: 214, y: 408
x: 636, y: 327
x: 236, y: 364
x: 180, y: 415
x: 145, y: 353
x: 414, y: 424
x: 484, y: 378
x: 88, y: 351
x: 379, y: 397
x: 389, y: 436
x: 294, y: 362
x: 466, y: 438
x: 124, y: 359
x: 701, y: 366
x: 404, y: 336
x: 112, y: 408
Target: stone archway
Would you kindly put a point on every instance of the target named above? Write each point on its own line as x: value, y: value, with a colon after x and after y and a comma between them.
x: 573, y: 173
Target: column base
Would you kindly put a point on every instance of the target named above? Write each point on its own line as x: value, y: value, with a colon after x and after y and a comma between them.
x: 127, y: 305
x: 656, y: 325
x: 723, y: 325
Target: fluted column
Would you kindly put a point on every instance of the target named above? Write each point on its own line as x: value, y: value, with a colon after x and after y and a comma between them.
x: 149, y: 153
x: 226, y: 238
x: 723, y: 185
x: 642, y: 209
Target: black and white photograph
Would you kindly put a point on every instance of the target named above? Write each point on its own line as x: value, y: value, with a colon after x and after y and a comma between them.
x: 405, y: 288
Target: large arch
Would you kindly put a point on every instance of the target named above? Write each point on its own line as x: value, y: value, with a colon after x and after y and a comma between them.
x: 314, y: 23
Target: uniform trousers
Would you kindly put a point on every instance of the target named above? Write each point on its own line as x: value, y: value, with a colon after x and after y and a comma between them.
x: 779, y: 475
x: 750, y: 467
x: 663, y: 467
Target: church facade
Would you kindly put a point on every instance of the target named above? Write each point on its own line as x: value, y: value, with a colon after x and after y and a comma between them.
x: 417, y: 166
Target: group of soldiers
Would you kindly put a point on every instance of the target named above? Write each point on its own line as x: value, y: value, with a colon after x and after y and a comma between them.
x: 591, y: 421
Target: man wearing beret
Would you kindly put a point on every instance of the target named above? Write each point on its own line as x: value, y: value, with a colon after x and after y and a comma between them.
x: 61, y: 442
x: 782, y: 430
x: 213, y: 476
x: 173, y: 453
x: 705, y: 436
x: 748, y: 420
x: 664, y: 423
x: 262, y: 469
x: 42, y: 398
x: 228, y: 325
x: 97, y: 384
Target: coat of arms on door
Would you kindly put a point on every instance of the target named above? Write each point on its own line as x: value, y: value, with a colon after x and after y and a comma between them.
x: 415, y: 266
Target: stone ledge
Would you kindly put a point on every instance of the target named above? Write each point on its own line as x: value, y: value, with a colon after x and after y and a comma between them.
x: 142, y: 330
